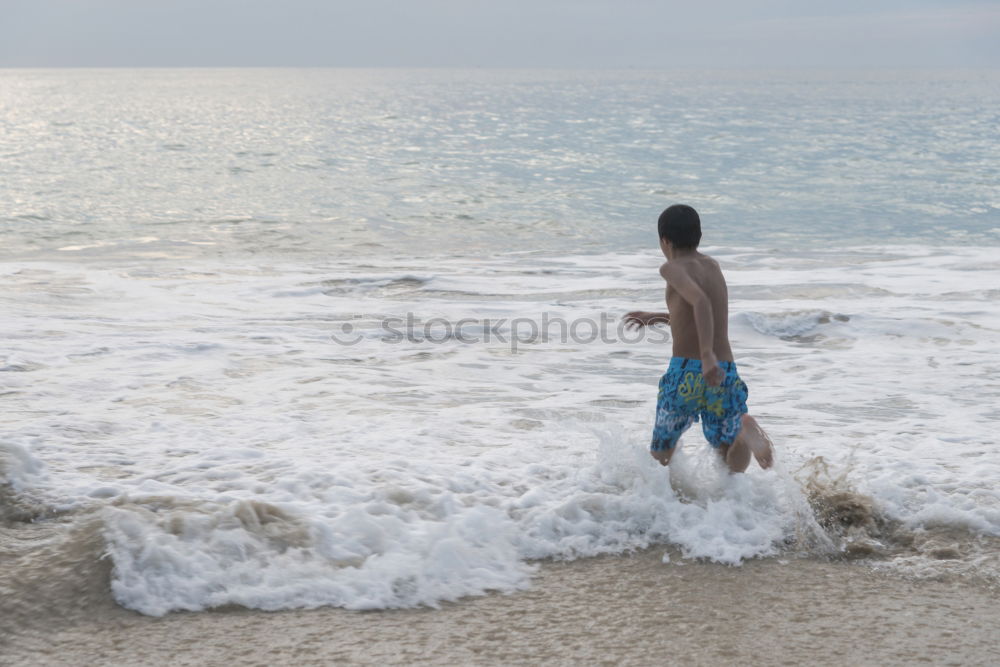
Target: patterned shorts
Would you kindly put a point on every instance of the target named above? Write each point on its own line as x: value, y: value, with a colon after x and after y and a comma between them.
x: 685, y: 397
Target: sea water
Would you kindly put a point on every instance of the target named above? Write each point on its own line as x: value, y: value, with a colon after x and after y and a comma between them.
x: 297, y: 338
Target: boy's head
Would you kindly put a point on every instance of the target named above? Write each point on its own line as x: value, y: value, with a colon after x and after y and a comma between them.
x: 680, y: 226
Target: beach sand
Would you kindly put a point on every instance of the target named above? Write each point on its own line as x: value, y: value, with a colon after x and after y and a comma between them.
x: 612, y: 610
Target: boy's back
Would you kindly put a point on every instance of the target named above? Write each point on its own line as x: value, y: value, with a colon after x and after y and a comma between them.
x: 704, y: 272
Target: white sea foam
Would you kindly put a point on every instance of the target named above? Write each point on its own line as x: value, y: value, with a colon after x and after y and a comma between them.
x: 420, y: 534
x: 18, y: 468
x: 238, y: 455
x: 21, y: 475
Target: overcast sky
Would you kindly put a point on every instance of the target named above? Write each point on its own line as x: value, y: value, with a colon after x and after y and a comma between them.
x: 501, y: 33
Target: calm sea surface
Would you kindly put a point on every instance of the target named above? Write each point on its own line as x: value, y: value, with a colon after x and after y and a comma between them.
x: 341, y: 162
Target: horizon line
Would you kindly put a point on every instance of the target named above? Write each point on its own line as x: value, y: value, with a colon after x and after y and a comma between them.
x: 619, y: 68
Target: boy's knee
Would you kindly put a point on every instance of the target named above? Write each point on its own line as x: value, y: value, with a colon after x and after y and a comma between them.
x: 662, y: 455
x: 736, y: 456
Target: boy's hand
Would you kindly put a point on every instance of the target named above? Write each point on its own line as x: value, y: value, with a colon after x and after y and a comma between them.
x: 710, y: 369
x: 638, y: 319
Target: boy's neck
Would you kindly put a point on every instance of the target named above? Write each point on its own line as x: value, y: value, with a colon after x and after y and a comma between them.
x: 675, y: 253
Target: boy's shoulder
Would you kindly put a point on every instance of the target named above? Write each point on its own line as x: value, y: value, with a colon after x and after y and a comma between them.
x: 689, y: 264
x: 700, y: 269
x: 707, y: 259
x: 706, y: 266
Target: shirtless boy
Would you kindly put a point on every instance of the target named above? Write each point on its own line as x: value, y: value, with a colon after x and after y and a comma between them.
x: 701, y: 381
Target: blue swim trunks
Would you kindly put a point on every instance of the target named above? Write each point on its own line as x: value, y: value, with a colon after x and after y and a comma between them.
x: 685, y: 397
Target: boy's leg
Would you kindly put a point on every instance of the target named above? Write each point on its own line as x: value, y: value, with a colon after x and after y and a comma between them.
x: 672, y: 416
x: 736, y: 455
x: 728, y: 426
x: 750, y: 440
x: 666, y: 436
x: 722, y: 425
x: 756, y: 441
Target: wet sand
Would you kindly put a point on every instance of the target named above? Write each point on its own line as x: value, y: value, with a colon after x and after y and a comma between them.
x: 622, y: 610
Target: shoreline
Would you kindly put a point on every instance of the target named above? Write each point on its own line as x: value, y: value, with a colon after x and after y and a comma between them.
x: 622, y: 610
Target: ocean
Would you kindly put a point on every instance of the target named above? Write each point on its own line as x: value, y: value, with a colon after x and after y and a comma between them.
x: 312, y: 338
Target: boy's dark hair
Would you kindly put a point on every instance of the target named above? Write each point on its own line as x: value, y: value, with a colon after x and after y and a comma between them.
x: 680, y: 225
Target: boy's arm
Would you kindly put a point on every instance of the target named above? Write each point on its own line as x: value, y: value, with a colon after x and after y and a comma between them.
x: 704, y: 322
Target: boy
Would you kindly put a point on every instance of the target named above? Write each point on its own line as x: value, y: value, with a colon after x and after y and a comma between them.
x: 701, y: 381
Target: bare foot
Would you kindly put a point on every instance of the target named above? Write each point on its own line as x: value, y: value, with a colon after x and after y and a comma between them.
x: 757, y: 441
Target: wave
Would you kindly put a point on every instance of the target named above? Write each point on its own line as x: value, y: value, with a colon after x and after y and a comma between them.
x: 56, y: 571
x: 20, y: 473
x: 791, y: 325
x: 397, y: 542
x: 381, y: 285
